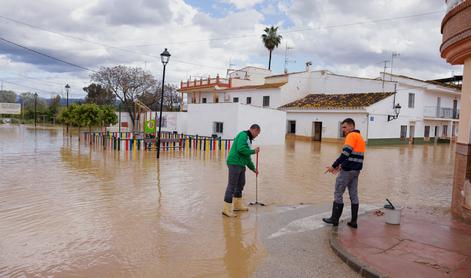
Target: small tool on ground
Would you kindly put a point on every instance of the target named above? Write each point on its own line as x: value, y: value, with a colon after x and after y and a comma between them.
x: 390, y: 205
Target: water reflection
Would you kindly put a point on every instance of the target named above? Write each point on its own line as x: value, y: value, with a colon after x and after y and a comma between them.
x: 238, y: 253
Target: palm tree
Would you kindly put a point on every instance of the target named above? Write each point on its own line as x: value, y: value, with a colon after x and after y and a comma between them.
x: 271, y: 40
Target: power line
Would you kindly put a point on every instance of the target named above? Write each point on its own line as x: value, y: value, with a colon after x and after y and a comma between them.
x: 38, y: 79
x: 45, y: 55
x: 302, y: 30
x: 215, y: 39
x: 102, y: 44
x: 31, y: 88
x: 37, y: 89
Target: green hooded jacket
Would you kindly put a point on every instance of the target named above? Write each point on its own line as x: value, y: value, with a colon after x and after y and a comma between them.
x: 240, y: 151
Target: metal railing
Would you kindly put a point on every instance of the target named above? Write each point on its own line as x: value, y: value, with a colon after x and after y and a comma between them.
x: 441, y: 112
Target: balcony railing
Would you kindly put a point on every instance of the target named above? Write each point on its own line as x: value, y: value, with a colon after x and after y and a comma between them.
x: 206, y: 83
x: 441, y: 112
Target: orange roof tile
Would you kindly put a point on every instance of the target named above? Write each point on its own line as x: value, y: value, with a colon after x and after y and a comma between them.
x: 337, y: 101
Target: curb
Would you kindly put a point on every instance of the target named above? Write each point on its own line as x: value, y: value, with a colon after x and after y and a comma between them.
x: 357, y: 266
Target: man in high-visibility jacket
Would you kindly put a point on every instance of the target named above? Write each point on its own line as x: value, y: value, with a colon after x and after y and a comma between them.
x: 348, y: 165
x: 237, y: 160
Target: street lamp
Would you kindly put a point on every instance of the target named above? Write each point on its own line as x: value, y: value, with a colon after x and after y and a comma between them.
x: 164, y: 56
x: 67, y: 87
x: 35, y: 104
x: 397, y: 109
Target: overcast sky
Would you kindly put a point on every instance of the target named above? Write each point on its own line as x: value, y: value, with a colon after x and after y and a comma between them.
x: 344, y: 36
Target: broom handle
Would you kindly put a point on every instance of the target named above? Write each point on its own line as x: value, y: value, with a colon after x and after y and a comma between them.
x: 256, y: 179
x: 256, y: 164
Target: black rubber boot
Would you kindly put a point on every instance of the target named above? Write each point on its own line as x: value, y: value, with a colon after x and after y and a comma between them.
x: 353, y: 221
x: 336, y: 213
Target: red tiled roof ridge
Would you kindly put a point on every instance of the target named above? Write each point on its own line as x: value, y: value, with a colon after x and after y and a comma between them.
x: 337, y: 101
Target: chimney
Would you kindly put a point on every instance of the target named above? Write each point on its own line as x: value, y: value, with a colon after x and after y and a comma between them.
x: 308, y: 66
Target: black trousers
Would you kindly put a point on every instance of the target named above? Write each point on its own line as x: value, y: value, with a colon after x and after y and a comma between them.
x: 236, y: 182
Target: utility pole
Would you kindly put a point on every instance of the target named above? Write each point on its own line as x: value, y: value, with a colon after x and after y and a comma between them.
x: 286, y: 57
x: 394, y: 54
x: 67, y: 87
x: 230, y: 69
x: 384, y: 71
x: 35, y: 103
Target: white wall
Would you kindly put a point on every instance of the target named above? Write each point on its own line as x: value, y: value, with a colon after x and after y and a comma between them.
x: 330, y: 122
x: 270, y: 120
x: 324, y: 82
x: 257, y: 96
x: 299, y: 85
x: 236, y: 117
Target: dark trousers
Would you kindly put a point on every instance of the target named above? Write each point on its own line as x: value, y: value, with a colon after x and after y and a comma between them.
x: 236, y: 182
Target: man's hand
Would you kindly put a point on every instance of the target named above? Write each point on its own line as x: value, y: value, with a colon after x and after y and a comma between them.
x: 332, y: 170
x: 257, y: 149
x: 256, y: 172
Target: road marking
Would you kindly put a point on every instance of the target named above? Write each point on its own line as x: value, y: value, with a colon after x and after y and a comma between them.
x: 315, y: 222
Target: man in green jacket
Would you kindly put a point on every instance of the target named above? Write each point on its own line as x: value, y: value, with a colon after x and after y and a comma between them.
x: 238, y: 158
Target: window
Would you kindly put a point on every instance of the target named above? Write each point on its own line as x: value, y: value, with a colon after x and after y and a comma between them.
x: 236, y: 99
x: 266, y: 101
x: 204, y: 100
x: 249, y: 100
x: 427, y: 131
x: 292, y: 127
x: 411, y: 100
x: 218, y: 127
x: 403, y: 132
x: 445, y: 131
x: 216, y: 100
x: 341, y: 135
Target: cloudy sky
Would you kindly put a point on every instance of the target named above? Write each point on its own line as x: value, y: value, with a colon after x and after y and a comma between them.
x: 204, y: 37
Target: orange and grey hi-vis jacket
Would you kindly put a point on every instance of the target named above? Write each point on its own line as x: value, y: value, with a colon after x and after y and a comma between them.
x: 353, y: 152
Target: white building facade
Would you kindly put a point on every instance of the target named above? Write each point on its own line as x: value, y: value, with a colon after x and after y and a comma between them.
x: 429, y: 110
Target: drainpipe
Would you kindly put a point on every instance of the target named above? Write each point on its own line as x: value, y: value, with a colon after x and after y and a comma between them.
x: 367, y: 126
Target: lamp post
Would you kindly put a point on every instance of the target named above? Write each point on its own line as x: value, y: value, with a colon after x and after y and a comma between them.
x: 35, y: 104
x: 164, y: 56
x: 397, y: 109
x: 67, y: 87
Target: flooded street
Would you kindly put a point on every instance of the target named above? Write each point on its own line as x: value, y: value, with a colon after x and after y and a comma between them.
x: 69, y: 209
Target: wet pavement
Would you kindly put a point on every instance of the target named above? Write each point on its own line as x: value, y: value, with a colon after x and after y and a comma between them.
x: 427, y: 243
x: 69, y: 209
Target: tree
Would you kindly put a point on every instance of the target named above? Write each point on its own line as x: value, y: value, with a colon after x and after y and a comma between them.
x: 172, y: 99
x: 108, y: 115
x: 27, y: 101
x: 89, y: 115
x: 271, y: 40
x: 69, y: 116
x: 127, y: 83
x: 7, y: 96
x: 99, y: 95
x: 54, y: 106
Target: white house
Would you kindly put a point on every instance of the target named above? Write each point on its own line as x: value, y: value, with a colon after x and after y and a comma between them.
x: 429, y: 109
x: 316, y: 102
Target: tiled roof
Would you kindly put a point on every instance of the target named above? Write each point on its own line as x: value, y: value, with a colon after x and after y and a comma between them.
x: 337, y: 101
x: 434, y: 82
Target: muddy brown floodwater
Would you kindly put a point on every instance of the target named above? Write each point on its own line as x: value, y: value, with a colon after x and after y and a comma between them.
x: 69, y: 209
